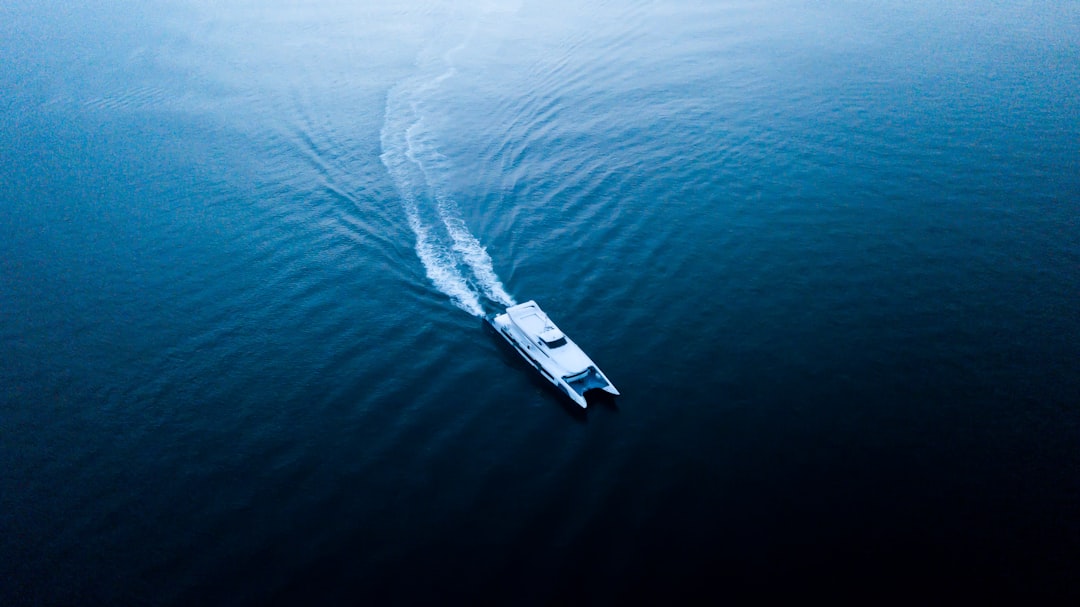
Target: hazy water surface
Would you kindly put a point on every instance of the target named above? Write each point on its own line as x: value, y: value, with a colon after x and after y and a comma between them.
x: 828, y: 251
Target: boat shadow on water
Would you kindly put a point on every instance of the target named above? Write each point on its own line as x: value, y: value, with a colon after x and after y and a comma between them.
x: 510, y: 357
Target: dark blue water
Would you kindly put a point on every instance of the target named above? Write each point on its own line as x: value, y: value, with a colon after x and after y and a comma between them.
x: 828, y: 251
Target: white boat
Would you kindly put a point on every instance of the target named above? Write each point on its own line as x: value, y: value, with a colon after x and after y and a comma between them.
x: 555, y: 356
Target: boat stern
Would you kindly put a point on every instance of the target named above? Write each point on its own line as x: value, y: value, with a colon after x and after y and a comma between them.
x: 583, y: 381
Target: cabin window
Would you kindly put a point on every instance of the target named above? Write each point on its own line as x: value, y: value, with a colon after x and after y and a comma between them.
x: 557, y: 343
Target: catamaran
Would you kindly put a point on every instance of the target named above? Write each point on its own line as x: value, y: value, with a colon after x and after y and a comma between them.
x: 555, y: 356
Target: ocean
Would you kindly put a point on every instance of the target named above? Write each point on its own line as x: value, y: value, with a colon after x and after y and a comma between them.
x: 829, y: 252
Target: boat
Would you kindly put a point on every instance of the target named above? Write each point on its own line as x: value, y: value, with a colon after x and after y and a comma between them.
x: 529, y: 330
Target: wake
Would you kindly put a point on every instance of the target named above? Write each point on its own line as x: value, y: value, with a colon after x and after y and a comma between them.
x: 454, y: 260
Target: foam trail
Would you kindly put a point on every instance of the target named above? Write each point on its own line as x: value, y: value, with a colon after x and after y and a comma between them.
x: 471, y: 252
x: 478, y: 260
x: 444, y: 243
x: 440, y: 262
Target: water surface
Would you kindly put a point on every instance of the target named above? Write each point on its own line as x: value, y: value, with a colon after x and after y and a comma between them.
x: 828, y: 252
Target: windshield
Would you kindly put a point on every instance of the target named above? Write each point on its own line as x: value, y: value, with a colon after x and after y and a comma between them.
x: 557, y: 343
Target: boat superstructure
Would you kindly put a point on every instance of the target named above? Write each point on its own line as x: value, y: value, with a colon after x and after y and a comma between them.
x: 529, y: 330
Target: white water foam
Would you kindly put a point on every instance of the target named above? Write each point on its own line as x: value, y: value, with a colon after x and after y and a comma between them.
x: 453, y: 258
